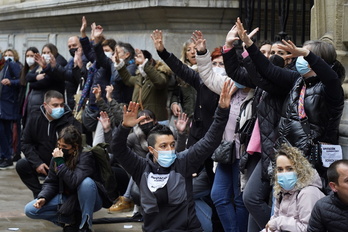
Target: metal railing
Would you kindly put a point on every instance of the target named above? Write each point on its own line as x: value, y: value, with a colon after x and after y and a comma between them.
x: 277, y: 19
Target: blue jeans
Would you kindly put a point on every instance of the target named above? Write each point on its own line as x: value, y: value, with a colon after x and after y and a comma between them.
x: 201, y: 192
x: 89, y: 199
x: 227, y: 198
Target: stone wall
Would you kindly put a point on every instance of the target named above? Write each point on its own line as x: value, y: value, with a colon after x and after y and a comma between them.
x: 36, y: 22
x: 330, y: 23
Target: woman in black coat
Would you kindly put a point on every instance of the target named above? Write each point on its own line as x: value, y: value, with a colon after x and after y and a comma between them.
x: 72, y: 190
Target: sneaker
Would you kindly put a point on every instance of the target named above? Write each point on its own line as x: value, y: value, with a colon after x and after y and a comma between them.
x: 122, y: 204
x: 6, y: 164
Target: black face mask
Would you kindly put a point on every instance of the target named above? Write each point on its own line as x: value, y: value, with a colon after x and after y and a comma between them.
x: 146, y: 127
x: 65, y: 152
x: 72, y: 51
x: 277, y: 60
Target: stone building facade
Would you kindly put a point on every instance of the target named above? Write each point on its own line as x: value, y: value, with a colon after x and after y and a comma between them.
x: 26, y: 23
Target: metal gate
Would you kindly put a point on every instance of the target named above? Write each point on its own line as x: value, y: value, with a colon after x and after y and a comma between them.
x: 277, y: 19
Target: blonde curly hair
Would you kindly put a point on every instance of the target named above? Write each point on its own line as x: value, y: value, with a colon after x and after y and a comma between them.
x: 304, y: 170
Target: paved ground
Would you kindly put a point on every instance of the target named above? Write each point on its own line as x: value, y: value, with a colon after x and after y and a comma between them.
x: 14, y: 195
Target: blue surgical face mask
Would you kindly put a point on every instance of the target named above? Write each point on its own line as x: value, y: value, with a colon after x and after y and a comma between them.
x: 302, y: 66
x: 166, y: 158
x: 57, y: 112
x: 239, y: 86
x: 287, y: 180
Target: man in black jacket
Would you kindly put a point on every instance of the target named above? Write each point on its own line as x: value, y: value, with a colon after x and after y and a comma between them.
x: 40, y: 138
x: 331, y: 212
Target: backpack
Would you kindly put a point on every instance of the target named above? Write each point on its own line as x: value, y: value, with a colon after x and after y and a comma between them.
x: 106, y: 173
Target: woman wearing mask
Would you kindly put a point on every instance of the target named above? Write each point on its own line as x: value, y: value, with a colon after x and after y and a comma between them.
x: 226, y: 193
x: 313, y: 108
x: 267, y: 105
x: 29, y: 65
x: 44, y: 77
x: 49, y: 49
x: 73, y: 190
x: 183, y: 97
x: 296, y: 190
x: 9, y: 105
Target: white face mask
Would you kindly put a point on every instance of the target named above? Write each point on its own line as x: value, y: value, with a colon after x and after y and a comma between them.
x: 9, y: 57
x: 47, y: 57
x: 108, y: 54
x: 30, y: 61
x: 220, y: 71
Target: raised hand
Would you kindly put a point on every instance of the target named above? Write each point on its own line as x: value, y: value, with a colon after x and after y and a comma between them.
x: 289, y: 46
x: 231, y: 36
x: 78, y: 58
x: 93, y: 26
x: 97, y: 33
x: 226, y: 93
x: 53, y: 61
x: 199, y: 41
x: 115, y: 58
x: 181, y: 123
x: 40, y: 60
x: 243, y: 33
x: 97, y: 92
x: 157, y: 39
x: 139, y: 57
x: 130, y: 115
x: 105, y: 121
x: 109, y: 89
x: 83, y: 27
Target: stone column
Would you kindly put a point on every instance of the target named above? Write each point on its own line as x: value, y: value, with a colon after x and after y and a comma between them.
x: 329, y: 22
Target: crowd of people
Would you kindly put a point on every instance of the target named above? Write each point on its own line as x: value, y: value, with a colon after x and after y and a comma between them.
x: 270, y: 108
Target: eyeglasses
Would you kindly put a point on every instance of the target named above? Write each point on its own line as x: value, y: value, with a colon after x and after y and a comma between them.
x: 220, y: 64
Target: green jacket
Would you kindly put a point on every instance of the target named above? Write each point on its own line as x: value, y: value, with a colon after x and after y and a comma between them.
x: 150, y: 92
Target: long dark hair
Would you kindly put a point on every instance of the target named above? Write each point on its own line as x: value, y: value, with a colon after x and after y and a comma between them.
x: 72, y: 136
x: 26, y: 67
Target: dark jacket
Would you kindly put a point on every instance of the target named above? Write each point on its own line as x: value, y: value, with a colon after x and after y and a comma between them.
x: 40, y: 136
x: 53, y: 80
x: 206, y: 100
x: 267, y: 103
x: 123, y: 93
x: 329, y: 214
x: 72, y: 76
x: 323, y: 102
x: 103, y: 65
x: 170, y: 208
x: 9, y: 105
x: 64, y: 180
